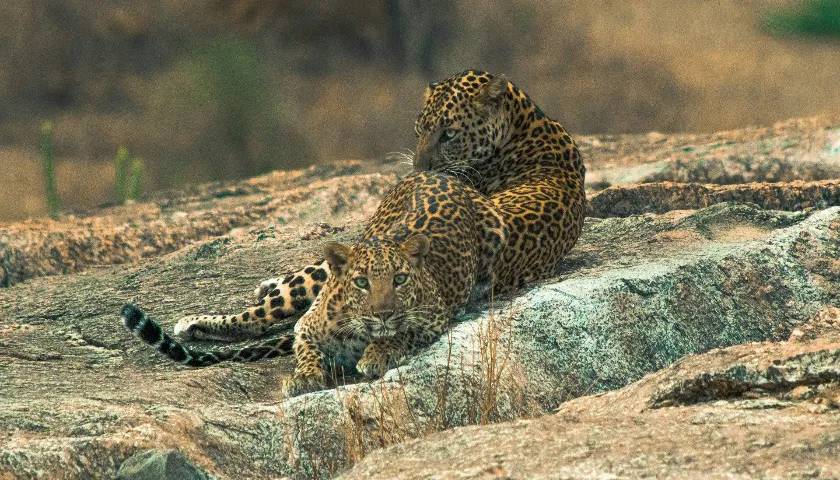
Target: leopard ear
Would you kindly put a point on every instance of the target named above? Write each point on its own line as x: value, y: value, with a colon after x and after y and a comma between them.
x: 337, y: 255
x: 416, y: 247
x: 427, y: 93
x: 491, y: 92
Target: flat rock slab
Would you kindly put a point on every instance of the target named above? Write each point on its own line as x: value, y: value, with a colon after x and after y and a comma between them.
x: 663, y: 197
x: 286, y: 200
x: 798, y: 149
x: 80, y: 395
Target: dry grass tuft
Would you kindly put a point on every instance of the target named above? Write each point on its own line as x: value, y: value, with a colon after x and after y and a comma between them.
x: 478, y: 388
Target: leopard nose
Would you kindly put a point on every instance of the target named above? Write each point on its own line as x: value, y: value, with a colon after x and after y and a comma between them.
x: 385, y: 314
x: 423, y: 160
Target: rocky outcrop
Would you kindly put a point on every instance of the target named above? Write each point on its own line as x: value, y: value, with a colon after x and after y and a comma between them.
x: 154, y: 465
x: 80, y: 396
x: 123, y: 234
x: 759, y: 410
x: 799, y: 149
x: 715, y: 280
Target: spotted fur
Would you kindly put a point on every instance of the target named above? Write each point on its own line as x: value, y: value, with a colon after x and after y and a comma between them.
x: 490, y: 134
x: 420, y: 257
x: 486, y: 131
x: 432, y: 231
x: 522, y: 176
x: 279, y: 303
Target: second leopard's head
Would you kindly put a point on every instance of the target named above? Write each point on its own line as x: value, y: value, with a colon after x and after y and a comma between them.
x: 461, y: 123
x: 376, y: 286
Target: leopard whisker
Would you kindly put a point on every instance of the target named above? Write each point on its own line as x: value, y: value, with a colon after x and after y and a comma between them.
x: 353, y: 326
x: 461, y: 169
x: 458, y: 174
x: 401, y: 157
x: 464, y: 167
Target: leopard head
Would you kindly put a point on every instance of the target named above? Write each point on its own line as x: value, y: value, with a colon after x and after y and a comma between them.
x: 377, y: 287
x: 462, y: 122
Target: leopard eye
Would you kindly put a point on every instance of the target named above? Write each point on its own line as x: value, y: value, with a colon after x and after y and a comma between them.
x: 361, y: 282
x: 448, y: 134
x: 400, y: 279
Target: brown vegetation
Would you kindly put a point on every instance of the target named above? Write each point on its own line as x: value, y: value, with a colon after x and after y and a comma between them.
x: 214, y: 90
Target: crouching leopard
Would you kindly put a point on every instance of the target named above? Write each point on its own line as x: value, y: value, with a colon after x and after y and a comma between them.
x: 484, y: 130
x: 393, y: 292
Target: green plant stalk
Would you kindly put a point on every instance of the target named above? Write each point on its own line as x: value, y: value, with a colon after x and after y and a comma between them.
x: 121, y: 164
x: 135, y: 184
x: 48, y: 162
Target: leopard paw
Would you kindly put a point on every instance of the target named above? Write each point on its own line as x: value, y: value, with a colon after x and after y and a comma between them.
x: 373, y: 366
x: 299, y: 384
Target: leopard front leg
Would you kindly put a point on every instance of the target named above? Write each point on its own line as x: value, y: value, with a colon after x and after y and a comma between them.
x: 309, y: 373
x: 280, y: 305
x: 383, y: 354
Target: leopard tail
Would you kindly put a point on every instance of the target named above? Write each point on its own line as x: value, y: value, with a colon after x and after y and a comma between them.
x: 150, y: 332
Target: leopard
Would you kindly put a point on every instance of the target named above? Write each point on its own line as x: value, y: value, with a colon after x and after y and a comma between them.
x: 393, y: 292
x: 486, y: 131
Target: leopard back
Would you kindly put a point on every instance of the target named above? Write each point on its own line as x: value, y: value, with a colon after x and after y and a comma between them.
x: 484, y: 129
x: 488, y: 132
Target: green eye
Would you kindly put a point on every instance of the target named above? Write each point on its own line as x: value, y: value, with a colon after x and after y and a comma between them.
x: 400, y: 278
x: 448, y: 135
x: 362, y: 282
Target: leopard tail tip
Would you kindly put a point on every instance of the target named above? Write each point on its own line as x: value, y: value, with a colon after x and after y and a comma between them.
x: 131, y: 315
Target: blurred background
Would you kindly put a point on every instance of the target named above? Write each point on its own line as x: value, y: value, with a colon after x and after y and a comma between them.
x: 223, y: 89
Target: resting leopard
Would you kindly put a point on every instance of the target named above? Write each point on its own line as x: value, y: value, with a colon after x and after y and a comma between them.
x: 391, y: 293
x: 487, y: 132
